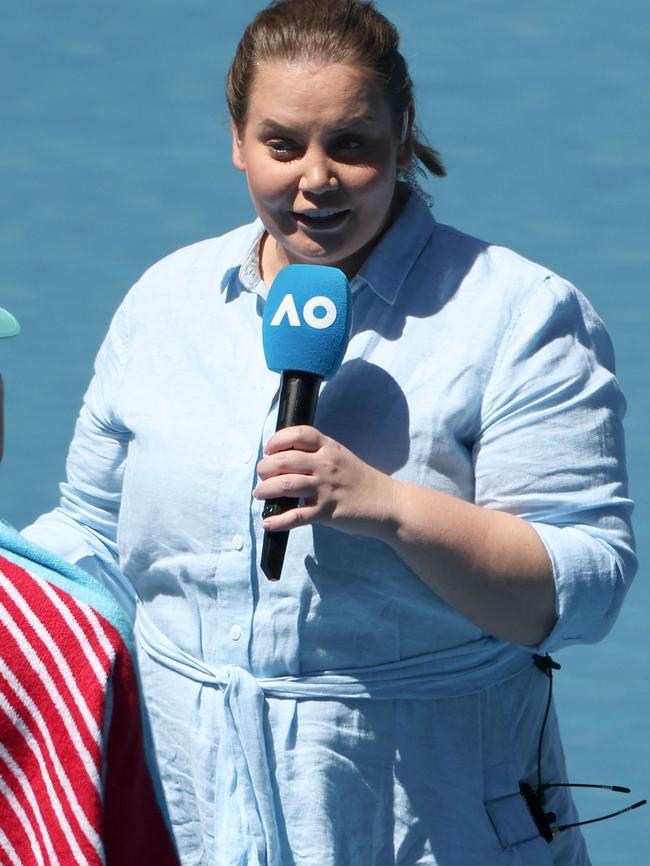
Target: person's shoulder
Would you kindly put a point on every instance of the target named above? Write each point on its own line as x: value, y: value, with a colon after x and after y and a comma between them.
x: 490, y: 258
x: 504, y: 272
x: 183, y: 282
x: 503, y: 292
x: 218, y: 253
x: 188, y: 276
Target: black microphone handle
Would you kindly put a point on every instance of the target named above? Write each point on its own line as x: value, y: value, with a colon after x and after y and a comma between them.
x: 297, y: 405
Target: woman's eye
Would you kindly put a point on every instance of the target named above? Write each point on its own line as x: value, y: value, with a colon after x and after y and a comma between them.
x: 350, y: 142
x: 281, y: 147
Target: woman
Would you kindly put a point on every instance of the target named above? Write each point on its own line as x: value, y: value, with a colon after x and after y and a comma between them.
x: 464, y: 502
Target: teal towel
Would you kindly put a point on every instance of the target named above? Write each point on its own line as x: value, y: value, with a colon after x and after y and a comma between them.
x: 67, y: 577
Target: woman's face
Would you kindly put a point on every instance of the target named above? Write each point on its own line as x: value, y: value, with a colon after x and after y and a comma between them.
x: 321, y: 156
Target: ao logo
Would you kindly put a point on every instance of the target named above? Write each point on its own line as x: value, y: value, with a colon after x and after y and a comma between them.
x: 287, y: 307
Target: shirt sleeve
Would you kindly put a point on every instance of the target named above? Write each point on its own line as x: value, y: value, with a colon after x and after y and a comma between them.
x: 551, y: 450
x: 83, y: 528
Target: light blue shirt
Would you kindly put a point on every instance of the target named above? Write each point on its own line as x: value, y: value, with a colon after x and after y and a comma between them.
x: 346, y: 714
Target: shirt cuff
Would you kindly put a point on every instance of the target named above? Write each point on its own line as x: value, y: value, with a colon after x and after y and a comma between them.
x: 591, y: 580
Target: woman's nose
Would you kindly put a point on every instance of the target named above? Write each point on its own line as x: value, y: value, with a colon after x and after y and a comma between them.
x: 318, y: 175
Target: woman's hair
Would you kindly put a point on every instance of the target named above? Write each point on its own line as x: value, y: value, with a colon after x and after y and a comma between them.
x: 333, y: 31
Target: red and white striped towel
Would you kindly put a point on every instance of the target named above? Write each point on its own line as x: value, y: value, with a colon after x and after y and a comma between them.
x: 74, y: 784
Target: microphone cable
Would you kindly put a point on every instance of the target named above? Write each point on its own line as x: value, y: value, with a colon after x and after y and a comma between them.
x: 535, y: 796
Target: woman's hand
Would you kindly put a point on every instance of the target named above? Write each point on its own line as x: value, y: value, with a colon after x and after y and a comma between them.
x: 336, y: 487
x: 489, y: 565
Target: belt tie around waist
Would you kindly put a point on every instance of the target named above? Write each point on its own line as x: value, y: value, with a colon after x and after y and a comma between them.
x: 242, y: 764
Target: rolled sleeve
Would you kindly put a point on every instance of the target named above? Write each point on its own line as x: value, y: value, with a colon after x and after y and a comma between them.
x: 551, y: 451
x: 591, y: 578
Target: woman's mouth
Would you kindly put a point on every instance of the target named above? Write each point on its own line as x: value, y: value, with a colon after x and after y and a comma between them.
x: 321, y: 219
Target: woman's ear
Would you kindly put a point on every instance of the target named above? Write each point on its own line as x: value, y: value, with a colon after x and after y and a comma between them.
x: 405, y: 152
x: 237, y: 147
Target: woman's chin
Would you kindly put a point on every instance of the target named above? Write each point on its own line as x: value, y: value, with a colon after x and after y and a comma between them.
x: 304, y: 250
x: 311, y: 253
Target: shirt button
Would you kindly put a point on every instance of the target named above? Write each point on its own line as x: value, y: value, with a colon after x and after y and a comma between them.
x: 237, y: 541
x: 247, y: 457
x: 235, y: 632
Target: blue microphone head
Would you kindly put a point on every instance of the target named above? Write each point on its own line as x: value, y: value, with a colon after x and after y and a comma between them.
x: 307, y: 320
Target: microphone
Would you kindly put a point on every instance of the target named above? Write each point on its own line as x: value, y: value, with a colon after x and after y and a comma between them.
x: 305, y: 331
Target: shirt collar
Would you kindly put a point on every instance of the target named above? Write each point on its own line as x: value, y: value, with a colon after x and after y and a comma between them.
x: 385, y: 270
x: 391, y: 261
x: 249, y: 271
